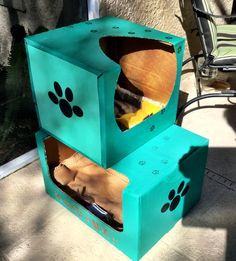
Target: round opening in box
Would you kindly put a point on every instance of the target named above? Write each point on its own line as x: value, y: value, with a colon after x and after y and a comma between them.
x: 92, y: 187
x: 147, y: 78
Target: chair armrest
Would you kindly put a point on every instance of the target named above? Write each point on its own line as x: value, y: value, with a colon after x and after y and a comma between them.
x: 212, y: 15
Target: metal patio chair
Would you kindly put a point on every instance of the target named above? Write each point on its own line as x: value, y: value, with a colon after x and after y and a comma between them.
x: 218, y: 44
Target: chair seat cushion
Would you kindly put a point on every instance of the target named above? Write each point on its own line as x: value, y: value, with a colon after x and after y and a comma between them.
x: 225, y: 53
x: 226, y: 31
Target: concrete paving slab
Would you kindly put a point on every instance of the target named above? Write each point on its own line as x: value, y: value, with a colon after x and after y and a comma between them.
x: 201, y: 243
x: 24, y: 207
x: 65, y: 238
x: 223, y: 216
x: 211, y: 192
x: 221, y: 160
x: 164, y: 252
x: 81, y: 243
x: 213, y: 235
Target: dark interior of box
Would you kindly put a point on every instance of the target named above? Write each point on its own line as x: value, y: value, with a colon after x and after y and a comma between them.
x: 147, y: 78
x: 98, y: 190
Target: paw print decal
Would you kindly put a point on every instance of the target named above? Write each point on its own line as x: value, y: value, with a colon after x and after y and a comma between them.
x: 64, y: 104
x: 175, y: 197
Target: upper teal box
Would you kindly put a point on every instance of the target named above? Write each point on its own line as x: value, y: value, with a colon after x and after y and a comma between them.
x: 105, y: 87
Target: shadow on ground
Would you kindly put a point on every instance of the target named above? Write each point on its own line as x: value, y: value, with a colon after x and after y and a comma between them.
x: 217, y: 208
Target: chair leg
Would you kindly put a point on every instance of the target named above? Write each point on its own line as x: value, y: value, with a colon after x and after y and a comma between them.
x: 198, y: 83
x: 197, y: 80
x: 194, y: 59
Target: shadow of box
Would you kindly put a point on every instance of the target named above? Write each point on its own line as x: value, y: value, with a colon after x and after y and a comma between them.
x: 79, y: 76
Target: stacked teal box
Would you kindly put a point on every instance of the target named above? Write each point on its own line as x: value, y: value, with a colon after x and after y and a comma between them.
x: 74, y: 77
x: 165, y: 182
x: 72, y: 59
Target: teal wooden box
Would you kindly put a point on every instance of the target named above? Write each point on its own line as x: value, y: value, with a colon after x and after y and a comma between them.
x: 165, y: 182
x: 74, y: 82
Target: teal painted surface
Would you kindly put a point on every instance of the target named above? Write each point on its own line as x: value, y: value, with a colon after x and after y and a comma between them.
x: 161, y: 155
x: 81, y: 133
x: 72, y: 56
x: 79, y: 43
x: 154, y: 170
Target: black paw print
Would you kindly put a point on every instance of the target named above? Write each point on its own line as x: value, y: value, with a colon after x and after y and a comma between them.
x: 175, y: 199
x: 64, y: 104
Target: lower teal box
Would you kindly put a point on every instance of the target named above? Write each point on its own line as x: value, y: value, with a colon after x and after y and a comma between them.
x: 165, y: 181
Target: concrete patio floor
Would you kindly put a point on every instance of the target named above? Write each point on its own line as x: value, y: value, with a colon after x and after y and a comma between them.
x: 35, y: 227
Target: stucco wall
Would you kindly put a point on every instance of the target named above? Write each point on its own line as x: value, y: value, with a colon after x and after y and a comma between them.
x: 47, y: 14
x: 39, y: 13
x: 174, y: 16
